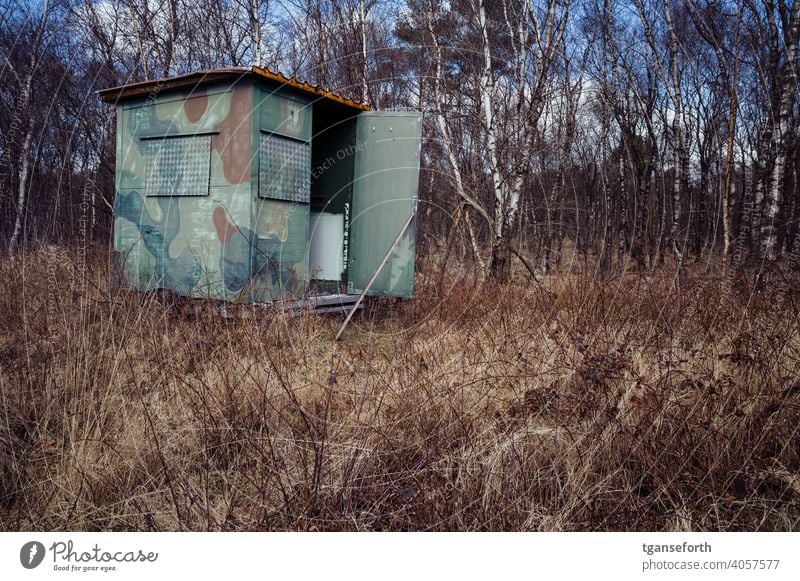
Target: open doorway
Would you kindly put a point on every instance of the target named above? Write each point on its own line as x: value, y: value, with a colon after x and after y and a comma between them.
x: 333, y: 153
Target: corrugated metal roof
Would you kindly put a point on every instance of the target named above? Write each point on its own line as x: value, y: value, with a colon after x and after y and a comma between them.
x: 124, y: 92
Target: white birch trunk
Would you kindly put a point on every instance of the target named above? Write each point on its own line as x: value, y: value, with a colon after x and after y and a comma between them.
x: 26, y: 99
x: 447, y: 142
x: 678, y: 153
x: 506, y: 200
x: 769, y: 238
x: 362, y: 24
x: 22, y: 187
x: 255, y: 32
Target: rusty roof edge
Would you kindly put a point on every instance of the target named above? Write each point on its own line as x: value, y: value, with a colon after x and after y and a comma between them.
x: 309, y: 88
x: 115, y: 94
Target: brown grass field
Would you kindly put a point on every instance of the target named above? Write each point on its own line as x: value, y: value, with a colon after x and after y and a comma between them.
x: 626, y: 402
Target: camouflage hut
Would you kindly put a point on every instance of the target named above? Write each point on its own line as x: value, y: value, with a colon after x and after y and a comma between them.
x: 244, y: 185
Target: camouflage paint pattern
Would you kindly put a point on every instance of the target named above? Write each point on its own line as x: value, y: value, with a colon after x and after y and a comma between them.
x: 204, y: 208
x: 197, y: 226
x: 280, y: 220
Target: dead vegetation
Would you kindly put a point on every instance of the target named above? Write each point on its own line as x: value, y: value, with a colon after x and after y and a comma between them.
x: 623, y: 403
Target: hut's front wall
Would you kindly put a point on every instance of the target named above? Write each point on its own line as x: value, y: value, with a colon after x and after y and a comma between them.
x: 183, y: 180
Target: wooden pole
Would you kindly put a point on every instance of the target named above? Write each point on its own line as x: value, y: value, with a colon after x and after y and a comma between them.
x: 374, y: 276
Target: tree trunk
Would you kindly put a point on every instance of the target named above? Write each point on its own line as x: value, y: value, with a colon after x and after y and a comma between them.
x: 680, y: 160
x: 623, y: 207
x: 22, y: 186
x: 506, y: 200
x: 26, y: 98
x: 255, y: 32
x: 500, y: 265
x: 781, y: 136
x: 362, y: 26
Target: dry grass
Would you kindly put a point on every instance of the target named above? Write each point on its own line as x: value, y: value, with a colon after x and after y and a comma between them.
x: 580, y: 404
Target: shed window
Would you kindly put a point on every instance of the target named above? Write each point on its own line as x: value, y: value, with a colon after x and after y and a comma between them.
x: 284, y: 168
x: 177, y: 166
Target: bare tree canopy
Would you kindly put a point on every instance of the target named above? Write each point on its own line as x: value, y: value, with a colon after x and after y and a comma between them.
x: 628, y: 133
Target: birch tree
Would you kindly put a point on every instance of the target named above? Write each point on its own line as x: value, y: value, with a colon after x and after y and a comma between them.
x: 784, y: 92
x: 519, y: 95
x: 25, y: 81
x: 448, y: 143
x: 728, y: 76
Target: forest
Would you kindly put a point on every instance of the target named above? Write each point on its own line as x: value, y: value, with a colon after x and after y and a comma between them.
x: 635, y: 131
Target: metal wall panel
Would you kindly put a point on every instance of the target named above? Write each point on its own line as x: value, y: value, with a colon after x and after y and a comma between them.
x: 284, y: 115
x: 279, y: 249
x: 177, y: 166
x: 284, y: 168
x: 281, y: 185
x: 385, y: 188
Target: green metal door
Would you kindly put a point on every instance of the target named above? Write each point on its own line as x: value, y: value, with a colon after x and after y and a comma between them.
x: 385, y: 185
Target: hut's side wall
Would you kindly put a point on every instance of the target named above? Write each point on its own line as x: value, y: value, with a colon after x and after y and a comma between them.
x: 281, y: 166
x: 183, y: 200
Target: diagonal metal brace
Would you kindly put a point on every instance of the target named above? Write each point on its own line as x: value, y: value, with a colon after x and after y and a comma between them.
x: 374, y: 276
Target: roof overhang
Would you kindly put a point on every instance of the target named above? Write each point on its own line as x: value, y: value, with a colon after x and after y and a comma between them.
x: 134, y: 90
